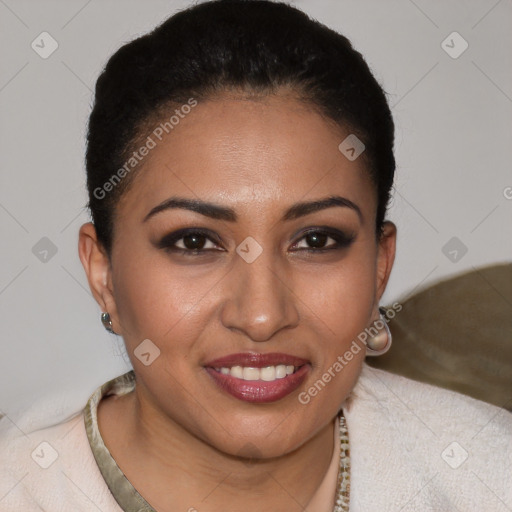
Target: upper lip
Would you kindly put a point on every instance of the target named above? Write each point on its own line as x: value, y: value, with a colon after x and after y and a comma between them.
x: 255, y: 360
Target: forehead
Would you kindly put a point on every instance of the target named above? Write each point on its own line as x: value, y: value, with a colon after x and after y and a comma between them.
x: 250, y: 154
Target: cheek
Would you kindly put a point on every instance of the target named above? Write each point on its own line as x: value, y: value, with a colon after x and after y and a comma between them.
x: 342, y: 295
x: 157, y: 299
x: 339, y: 308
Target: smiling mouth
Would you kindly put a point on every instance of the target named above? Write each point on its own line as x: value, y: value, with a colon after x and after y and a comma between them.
x: 265, y: 374
x: 258, y: 378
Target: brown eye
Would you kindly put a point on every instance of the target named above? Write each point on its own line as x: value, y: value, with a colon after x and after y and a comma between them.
x: 318, y: 240
x: 193, y: 241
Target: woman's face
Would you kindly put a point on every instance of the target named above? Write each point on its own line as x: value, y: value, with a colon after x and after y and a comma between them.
x: 256, y: 283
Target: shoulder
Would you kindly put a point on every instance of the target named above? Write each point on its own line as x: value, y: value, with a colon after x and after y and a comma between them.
x: 420, y: 443
x: 50, y: 468
x: 440, y: 407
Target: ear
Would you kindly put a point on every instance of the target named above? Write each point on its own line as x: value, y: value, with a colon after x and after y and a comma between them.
x: 97, y: 266
x: 385, y: 258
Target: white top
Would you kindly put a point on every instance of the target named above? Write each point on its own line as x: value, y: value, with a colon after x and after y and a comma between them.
x: 413, y: 447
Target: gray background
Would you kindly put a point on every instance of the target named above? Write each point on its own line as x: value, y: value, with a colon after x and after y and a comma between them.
x: 453, y: 151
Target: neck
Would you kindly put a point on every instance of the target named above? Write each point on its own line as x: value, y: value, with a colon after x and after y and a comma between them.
x: 173, y: 469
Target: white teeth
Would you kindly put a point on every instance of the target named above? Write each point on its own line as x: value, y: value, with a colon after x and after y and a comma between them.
x: 251, y: 373
x: 237, y: 372
x: 268, y: 374
x: 280, y: 371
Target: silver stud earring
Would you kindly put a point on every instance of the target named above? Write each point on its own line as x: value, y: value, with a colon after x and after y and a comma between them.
x: 380, y: 342
x: 107, y: 322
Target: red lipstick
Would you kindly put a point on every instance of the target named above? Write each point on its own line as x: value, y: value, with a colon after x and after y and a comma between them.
x: 255, y: 360
x: 259, y: 391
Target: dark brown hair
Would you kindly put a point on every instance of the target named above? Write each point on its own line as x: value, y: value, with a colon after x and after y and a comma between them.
x: 253, y: 45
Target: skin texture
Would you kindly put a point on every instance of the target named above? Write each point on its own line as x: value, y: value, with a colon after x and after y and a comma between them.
x: 179, y: 439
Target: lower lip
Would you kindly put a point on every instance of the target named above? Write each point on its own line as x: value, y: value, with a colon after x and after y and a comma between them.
x: 259, y: 391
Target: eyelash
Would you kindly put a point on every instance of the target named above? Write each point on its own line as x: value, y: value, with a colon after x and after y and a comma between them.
x: 168, y: 242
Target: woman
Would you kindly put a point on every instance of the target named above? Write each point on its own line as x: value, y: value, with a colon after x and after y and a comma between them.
x: 239, y: 167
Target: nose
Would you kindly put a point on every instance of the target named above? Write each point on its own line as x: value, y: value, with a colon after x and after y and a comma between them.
x: 259, y: 299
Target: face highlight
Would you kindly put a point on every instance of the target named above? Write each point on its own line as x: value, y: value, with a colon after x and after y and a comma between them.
x: 248, y: 232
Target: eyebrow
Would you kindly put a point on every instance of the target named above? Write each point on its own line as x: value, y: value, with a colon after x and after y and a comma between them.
x: 219, y: 212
